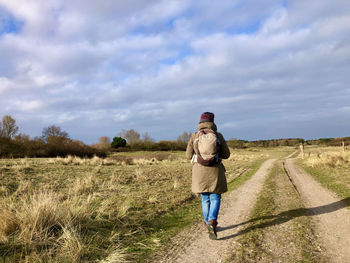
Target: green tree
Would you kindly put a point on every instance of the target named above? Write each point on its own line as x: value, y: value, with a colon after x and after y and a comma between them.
x: 8, y: 127
x: 118, y: 142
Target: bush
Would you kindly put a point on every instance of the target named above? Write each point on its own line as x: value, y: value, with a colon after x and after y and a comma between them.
x: 22, y: 146
x: 118, y: 142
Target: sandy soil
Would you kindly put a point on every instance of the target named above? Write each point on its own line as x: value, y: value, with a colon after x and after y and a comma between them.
x: 195, y: 245
x: 280, y: 239
x: 329, y: 213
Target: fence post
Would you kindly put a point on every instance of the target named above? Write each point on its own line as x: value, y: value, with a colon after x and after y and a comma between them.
x: 343, y: 143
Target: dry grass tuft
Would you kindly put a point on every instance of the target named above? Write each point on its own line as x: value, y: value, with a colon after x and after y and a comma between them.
x: 142, y: 161
x: 176, y: 184
x: 330, y: 159
x: 114, y: 160
x: 70, y: 245
x: 3, y: 190
x: 67, y: 160
x: 124, y: 208
x: 245, y: 157
x: 24, y: 187
x: 117, y: 255
x: 108, y: 208
x: 78, y: 209
x: 109, y: 161
x: 84, y: 185
x: 75, y: 160
x: 40, y: 217
x: 120, y: 160
x: 9, y: 224
x: 140, y: 175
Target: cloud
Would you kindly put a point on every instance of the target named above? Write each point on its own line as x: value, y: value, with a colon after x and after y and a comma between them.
x: 264, y: 69
x: 67, y: 117
x: 122, y: 116
x: 5, y: 84
x: 29, y: 105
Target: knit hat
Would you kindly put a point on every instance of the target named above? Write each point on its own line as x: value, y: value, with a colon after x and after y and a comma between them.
x: 207, y: 117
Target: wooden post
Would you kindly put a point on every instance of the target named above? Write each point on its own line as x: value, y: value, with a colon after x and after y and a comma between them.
x: 302, y: 151
x: 343, y: 143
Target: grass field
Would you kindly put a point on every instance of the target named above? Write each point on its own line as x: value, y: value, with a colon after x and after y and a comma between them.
x: 330, y: 166
x: 122, y: 208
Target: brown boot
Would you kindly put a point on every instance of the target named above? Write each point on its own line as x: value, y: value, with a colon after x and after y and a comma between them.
x: 212, y: 229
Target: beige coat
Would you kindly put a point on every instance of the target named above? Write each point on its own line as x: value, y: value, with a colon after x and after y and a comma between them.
x: 210, y: 179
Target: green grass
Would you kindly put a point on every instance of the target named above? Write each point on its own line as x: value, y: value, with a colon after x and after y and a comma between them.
x: 234, y: 184
x: 330, y: 178
x: 277, y: 153
x: 329, y: 166
x: 251, y: 243
x: 159, y: 231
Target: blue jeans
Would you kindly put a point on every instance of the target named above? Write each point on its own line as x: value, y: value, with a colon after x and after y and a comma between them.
x: 210, y: 206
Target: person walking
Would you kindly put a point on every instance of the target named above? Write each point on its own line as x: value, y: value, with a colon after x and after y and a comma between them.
x: 206, y: 148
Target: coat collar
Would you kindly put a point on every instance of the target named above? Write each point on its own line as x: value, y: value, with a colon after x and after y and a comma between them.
x: 207, y: 125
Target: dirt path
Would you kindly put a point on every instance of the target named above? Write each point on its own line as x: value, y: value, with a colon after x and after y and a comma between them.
x: 331, y: 217
x: 195, y: 246
x: 278, y: 230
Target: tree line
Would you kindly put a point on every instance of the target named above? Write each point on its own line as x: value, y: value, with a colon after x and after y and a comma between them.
x: 235, y: 143
x: 132, y: 140
x: 56, y: 142
x: 53, y: 142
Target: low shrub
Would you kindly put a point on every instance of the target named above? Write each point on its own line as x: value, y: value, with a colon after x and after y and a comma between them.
x: 55, y: 146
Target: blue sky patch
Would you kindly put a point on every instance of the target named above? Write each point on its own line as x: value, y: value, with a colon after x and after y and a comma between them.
x: 180, y: 56
x: 9, y: 24
x: 249, y: 29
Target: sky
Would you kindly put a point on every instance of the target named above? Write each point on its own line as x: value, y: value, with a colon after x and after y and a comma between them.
x: 265, y: 68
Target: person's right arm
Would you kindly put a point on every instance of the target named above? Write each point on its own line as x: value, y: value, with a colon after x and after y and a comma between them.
x: 189, y: 149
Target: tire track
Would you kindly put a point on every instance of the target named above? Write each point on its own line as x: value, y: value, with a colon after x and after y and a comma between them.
x: 327, y: 210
